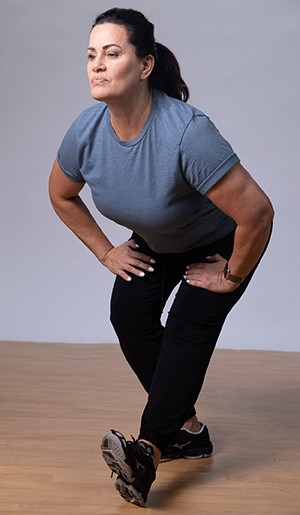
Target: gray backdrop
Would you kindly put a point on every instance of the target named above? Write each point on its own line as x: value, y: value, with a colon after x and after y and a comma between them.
x: 241, y: 61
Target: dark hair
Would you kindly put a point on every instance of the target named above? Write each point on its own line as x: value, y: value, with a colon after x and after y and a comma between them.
x: 166, y: 73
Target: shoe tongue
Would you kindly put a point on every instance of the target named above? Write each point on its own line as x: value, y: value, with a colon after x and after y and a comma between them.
x: 147, y: 447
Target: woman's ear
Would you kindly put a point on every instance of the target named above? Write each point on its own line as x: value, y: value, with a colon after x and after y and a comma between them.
x: 147, y: 66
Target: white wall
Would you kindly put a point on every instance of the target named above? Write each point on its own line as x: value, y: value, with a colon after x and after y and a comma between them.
x: 241, y: 61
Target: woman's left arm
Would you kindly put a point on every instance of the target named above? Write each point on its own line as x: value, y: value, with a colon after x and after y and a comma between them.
x: 240, y: 197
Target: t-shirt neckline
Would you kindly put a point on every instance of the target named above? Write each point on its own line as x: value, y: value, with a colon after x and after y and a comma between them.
x: 133, y: 142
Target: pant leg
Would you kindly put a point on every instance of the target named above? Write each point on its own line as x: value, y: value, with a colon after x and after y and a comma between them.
x: 136, y: 309
x: 192, y: 329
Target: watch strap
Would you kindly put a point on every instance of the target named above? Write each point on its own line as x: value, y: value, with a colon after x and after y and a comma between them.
x: 230, y: 277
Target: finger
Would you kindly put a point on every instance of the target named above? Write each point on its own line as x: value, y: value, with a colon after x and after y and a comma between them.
x: 124, y: 276
x: 139, y: 257
x: 147, y: 259
x: 141, y: 264
x: 214, y: 258
x: 135, y: 271
x: 198, y: 278
x: 192, y: 278
x: 196, y: 266
x: 194, y: 281
x: 132, y: 244
x: 143, y: 257
x: 126, y: 269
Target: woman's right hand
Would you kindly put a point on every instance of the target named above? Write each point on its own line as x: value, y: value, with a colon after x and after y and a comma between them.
x: 126, y: 259
x: 122, y: 260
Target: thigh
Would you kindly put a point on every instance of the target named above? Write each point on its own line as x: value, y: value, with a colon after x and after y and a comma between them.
x: 136, y: 308
x: 140, y: 302
x: 199, y: 305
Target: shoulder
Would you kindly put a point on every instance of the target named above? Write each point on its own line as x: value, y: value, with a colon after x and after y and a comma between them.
x: 79, y: 136
x: 175, y: 116
x: 90, y: 117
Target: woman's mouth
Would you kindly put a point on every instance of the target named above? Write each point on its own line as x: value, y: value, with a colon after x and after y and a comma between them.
x: 98, y: 80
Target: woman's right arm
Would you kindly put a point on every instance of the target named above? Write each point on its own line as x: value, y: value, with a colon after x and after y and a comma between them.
x: 65, y: 199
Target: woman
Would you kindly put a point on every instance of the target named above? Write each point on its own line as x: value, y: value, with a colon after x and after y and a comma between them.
x: 161, y: 168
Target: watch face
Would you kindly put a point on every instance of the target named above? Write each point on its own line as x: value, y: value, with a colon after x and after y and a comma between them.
x: 226, y: 271
x: 232, y: 278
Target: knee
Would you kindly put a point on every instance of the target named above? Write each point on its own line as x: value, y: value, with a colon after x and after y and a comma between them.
x: 123, y: 316
x: 117, y: 318
x: 192, y: 332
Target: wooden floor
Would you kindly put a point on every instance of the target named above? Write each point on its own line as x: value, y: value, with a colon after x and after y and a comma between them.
x: 58, y: 400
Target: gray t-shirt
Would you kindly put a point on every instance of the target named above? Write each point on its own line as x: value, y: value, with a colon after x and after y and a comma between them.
x: 155, y: 184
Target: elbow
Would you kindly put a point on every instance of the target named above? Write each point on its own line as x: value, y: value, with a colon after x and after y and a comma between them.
x: 258, y: 216
x: 52, y: 190
x: 264, y: 215
x: 268, y: 212
x: 53, y: 198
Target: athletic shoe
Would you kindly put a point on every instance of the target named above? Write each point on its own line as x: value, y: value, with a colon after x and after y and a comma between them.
x: 189, y: 445
x: 133, y: 463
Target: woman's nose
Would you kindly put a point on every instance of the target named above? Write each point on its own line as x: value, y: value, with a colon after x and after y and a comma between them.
x: 98, y: 64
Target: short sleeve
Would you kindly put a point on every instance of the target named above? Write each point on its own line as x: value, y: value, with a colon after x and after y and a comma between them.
x: 205, y: 155
x: 67, y: 155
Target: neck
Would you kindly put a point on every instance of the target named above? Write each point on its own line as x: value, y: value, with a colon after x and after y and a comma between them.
x: 129, y: 116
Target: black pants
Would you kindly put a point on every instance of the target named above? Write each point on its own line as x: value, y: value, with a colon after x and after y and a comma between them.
x: 170, y: 362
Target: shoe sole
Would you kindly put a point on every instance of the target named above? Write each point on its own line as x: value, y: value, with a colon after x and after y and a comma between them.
x: 129, y: 493
x: 186, y: 456
x: 113, y: 451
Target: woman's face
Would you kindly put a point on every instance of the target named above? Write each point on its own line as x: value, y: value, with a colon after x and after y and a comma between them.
x: 114, y: 70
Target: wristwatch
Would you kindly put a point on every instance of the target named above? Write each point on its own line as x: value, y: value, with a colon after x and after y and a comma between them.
x: 230, y: 277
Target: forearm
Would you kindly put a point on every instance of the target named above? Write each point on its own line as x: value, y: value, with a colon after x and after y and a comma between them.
x: 249, y: 243
x: 239, y: 197
x: 75, y: 215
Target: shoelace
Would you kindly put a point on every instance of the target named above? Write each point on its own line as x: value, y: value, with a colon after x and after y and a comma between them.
x: 140, y: 447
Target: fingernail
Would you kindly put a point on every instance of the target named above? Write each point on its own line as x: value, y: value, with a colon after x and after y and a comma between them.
x: 136, y: 245
x: 151, y: 269
x: 128, y: 279
x: 141, y: 274
x: 188, y: 267
x: 187, y: 281
x: 207, y: 257
x: 152, y: 261
x: 184, y: 276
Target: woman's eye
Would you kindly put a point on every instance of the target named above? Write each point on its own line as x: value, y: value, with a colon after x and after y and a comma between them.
x: 111, y: 55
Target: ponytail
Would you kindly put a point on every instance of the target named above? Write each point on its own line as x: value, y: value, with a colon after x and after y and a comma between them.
x: 166, y: 74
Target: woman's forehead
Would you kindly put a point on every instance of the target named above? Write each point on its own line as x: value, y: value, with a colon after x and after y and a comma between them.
x: 109, y: 34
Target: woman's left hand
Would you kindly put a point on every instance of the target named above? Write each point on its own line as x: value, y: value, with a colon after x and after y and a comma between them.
x: 210, y: 276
